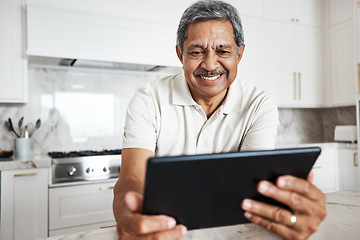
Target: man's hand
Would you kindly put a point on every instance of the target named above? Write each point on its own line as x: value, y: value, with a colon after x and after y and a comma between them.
x: 134, y: 225
x: 307, y: 204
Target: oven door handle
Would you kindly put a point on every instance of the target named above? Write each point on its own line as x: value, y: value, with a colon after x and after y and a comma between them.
x: 106, y: 188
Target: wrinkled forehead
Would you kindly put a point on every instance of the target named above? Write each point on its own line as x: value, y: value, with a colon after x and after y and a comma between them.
x: 213, y: 34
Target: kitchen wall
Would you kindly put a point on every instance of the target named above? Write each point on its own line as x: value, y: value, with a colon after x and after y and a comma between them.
x: 85, y: 110
x: 312, y: 125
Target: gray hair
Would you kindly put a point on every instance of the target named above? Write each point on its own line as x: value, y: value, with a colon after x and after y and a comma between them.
x: 206, y: 10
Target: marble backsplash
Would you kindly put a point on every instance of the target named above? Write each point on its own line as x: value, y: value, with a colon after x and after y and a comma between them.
x: 85, y: 110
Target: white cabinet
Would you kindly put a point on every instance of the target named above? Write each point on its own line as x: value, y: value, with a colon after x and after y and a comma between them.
x: 80, y: 207
x: 337, y: 168
x: 122, y: 31
x: 307, y: 12
x: 348, y: 169
x: 340, y: 11
x: 252, y: 8
x: 24, y: 204
x: 326, y: 171
x: 342, y: 53
x: 13, y: 62
x: 357, y: 29
x: 293, y: 53
x: 250, y: 68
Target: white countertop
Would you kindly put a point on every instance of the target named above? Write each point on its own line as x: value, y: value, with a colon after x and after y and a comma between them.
x: 320, y: 144
x: 39, y: 161
x: 342, y: 222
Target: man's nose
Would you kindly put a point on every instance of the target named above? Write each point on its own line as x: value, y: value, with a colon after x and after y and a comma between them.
x: 210, y: 61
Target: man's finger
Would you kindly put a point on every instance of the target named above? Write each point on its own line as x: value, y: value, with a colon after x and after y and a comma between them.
x: 274, y: 227
x: 296, y: 201
x: 136, y: 223
x: 134, y: 201
x: 300, y: 186
x: 311, y: 176
x: 176, y: 233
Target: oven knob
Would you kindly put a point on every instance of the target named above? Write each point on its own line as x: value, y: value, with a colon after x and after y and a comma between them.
x: 72, y: 171
x: 87, y: 170
x: 105, y: 169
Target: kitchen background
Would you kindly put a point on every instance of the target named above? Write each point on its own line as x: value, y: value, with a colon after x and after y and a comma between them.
x: 85, y: 110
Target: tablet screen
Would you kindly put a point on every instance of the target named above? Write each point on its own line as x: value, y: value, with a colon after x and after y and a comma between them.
x: 202, y: 191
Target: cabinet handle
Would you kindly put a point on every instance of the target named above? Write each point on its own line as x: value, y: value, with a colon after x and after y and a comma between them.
x: 295, y: 85
x: 292, y: 19
x: 359, y: 66
x: 25, y: 175
x: 299, y: 76
x: 106, y: 188
x: 315, y: 167
x: 356, y: 163
x: 107, y: 226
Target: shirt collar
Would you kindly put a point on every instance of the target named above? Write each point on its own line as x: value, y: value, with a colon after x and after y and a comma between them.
x: 234, y: 98
x: 181, y: 92
x: 182, y: 96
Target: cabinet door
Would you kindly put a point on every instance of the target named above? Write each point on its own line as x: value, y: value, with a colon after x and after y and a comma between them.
x: 358, y: 32
x: 279, y: 62
x: 326, y: 176
x: 13, y: 63
x: 308, y: 64
x: 24, y: 204
x: 80, y: 205
x: 253, y: 8
x: 251, y: 65
x: 348, y: 169
x: 343, y: 68
x: 340, y: 11
x: 279, y: 10
x: 308, y: 12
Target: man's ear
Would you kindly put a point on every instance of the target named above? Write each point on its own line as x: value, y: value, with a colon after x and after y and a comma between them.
x: 180, y: 56
x: 241, y: 52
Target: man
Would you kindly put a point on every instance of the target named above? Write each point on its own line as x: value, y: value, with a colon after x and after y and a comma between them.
x: 206, y: 110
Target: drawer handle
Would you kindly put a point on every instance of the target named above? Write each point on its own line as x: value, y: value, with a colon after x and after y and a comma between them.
x: 106, y: 188
x: 315, y: 167
x: 299, y: 76
x: 295, y: 93
x: 25, y: 175
x: 107, y: 226
x: 356, y: 163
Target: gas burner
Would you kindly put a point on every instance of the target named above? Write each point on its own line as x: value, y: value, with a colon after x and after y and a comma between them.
x: 83, y: 153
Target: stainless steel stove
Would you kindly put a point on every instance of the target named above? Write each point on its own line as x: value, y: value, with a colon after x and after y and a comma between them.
x: 70, y: 167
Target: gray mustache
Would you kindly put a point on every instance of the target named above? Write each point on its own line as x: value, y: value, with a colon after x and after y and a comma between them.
x: 208, y: 73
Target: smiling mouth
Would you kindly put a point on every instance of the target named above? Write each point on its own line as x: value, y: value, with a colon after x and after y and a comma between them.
x: 210, y: 78
x: 210, y: 75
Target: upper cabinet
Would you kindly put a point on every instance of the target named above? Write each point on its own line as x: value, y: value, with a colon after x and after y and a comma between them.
x: 293, y: 52
x: 357, y: 23
x: 13, y: 61
x: 119, y: 31
x: 340, y: 11
x: 307, y: 12
x: 342, y: 53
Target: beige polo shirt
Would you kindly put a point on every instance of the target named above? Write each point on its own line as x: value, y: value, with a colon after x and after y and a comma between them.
x: 163, y: 117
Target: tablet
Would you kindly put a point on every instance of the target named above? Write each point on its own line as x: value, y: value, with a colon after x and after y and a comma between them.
x: 203, y: 191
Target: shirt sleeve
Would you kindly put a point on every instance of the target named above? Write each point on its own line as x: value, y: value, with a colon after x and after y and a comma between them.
x: 262, y: 132
x: 140, y: 123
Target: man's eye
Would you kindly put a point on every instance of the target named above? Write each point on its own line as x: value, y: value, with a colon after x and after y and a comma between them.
x: 222, y: 52
x: 195, y: 53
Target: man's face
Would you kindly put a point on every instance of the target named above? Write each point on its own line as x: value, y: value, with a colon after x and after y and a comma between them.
x: 210, y: 58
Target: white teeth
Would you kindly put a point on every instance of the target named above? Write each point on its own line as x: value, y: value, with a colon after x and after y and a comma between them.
x: 210, y: 78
